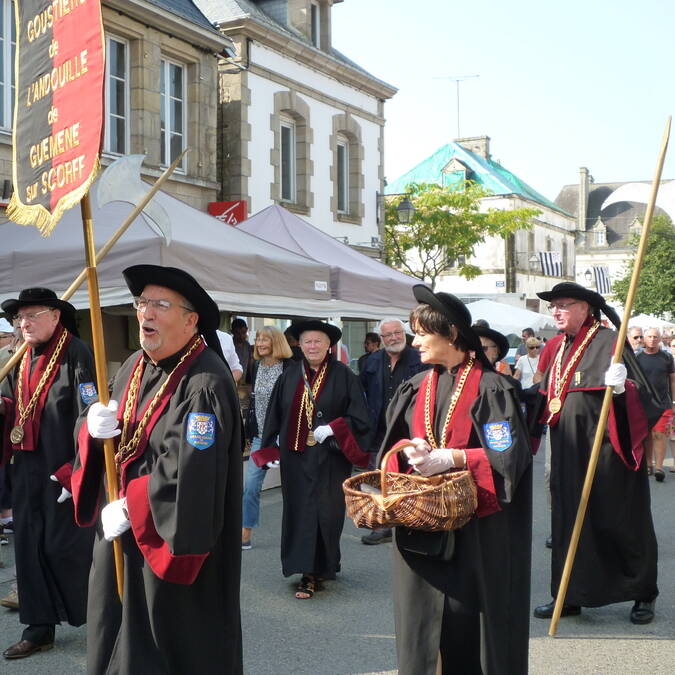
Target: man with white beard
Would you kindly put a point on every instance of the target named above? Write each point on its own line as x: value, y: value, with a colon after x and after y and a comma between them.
x: 383, y: 372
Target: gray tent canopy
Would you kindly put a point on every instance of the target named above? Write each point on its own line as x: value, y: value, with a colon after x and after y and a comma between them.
x: 355, y: 278
x: 240, y: 271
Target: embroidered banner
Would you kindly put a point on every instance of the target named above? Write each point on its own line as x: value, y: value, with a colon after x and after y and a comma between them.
x: 58, y: 118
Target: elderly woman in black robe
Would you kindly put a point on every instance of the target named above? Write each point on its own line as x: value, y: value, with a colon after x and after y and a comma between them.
x: 462, y: 596
x: 317, y: 424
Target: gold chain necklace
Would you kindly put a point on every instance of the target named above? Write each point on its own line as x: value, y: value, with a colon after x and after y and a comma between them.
x: 307, y: 406
x: 127, y: 448
x: 558, y: 380
x: 17, y: 433
x: 453, y: 403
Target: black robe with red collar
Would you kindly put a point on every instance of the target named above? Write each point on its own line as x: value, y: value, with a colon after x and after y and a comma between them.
x: 474, y: 607
x: 311, y: 480
x: 182, y: 555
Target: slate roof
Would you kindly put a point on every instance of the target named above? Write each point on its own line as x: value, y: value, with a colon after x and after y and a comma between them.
x: 221, y: 11
x: 186, y: 9
x: 486, y: 172
x: 617, y: 218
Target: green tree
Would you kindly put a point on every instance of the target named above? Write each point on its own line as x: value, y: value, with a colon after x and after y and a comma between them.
x: 446, y: 227
x: 656, y: 285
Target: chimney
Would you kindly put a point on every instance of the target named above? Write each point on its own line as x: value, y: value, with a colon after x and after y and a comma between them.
x: 479, y: 145
x: 582, y: 207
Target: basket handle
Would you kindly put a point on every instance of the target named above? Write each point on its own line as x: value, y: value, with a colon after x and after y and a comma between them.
x: 397, y: 447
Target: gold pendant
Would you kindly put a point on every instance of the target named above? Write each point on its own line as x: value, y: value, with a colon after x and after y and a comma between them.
x: 554, y: 405
x: 310, y: 438
x: 16, y: 434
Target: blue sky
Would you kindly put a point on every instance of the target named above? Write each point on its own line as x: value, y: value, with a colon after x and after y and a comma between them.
x: 561, y: 84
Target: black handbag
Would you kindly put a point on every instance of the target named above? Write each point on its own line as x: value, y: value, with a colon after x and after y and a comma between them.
x: 250, y: 420
x: 435, y: 545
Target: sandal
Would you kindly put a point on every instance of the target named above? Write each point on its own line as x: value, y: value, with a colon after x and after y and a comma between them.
x: 306, y: 588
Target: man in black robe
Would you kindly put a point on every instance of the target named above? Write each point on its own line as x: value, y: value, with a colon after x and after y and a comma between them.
x: 317, y: 424
x: 178, y: 452
x: 472, y: 605
x: 616, y: 559
x: 53, y: 555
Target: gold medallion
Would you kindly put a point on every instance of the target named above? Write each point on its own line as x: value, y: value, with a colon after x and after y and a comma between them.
x: 310, y: 438
x: 554, y: 405
x: 16, y: 434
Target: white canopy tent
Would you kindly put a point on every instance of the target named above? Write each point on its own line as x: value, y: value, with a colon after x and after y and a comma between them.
x: 648, y: 321
x: 509, y: 319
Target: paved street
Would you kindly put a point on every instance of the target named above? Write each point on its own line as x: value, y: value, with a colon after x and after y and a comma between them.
x: 348, y: 628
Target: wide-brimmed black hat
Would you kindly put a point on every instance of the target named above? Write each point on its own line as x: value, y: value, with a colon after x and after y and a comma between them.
x: 457, y: 314
x: 140, y: 276
x: 45, y: 297
x: 36, y: 297
x: 498, y: 338
x: 333, y: 332
x: 568, y: 289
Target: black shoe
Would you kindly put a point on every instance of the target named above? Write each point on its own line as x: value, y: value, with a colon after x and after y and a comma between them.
x: 659, y: 475
x: 376, y: 537
x: 642, y: 612
x: 549, y: 542
x: 546, y: 611
x: 25, y: 648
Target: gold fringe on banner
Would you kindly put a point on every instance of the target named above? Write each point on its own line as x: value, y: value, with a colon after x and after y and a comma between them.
x: 38, y: 215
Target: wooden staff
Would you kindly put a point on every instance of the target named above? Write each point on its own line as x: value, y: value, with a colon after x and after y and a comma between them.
x: 607, y: 400
x: 101, y: 362
x: 105, y: 249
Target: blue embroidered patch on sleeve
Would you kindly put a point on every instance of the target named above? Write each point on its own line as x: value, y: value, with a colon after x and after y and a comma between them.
x: 88, y: 393
x: 200, y: 432
x: 498, y: 435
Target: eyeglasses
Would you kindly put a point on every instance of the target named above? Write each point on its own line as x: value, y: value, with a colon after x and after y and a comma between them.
x: 636, y: 337
x: 561, y: 307
x: 394, y: 333
x: 30, y: 317
x: 141, y: 304
x: 534, y: 347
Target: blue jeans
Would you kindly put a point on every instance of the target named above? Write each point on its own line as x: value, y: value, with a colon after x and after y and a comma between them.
x: 254, y: 480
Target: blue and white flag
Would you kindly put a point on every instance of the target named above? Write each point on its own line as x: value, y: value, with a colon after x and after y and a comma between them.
x: 602, y: 281
x: 551, y: 264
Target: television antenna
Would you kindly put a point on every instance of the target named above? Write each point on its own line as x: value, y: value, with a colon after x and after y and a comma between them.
x: 457, y: 79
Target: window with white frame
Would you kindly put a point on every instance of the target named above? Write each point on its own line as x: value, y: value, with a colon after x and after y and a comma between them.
x: 172, y: 118
x: 117, y: 96
x: 343, y: 175
x: 315, y: 17
x: 288, y: 166
x: 7, y: 52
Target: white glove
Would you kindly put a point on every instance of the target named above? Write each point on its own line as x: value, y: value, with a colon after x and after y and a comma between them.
x: 322, y: 433
x: 114, y: 519
x: 419, y: 450
x: 64, y: 493
x: 616, y: 377
x: 273, y: 464
x: 437, y: 461
x: 102, y: 420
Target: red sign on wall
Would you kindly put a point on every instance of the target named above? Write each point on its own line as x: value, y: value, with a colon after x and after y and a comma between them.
x: 231, y: 213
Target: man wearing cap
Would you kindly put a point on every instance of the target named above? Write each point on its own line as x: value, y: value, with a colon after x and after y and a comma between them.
x: 175, y: 419
x: 617, y: 555
x: 41, y: 401
x: 317, y: 425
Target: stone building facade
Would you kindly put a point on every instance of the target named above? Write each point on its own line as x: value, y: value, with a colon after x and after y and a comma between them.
x: 300, y: 124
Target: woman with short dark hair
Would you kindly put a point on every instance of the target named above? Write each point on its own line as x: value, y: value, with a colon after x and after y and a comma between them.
x: 462, y: 596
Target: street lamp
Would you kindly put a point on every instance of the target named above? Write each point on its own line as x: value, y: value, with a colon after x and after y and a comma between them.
x: 533, y: 262
x: 588, y: 275
x: 404, y: 211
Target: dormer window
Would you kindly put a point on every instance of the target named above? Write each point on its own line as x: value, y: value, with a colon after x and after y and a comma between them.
x: 315, y: 17
x: 599, y: 233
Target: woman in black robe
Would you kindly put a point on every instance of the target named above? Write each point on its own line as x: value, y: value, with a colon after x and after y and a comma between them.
x: 317, y: 425
x: 469, y: 606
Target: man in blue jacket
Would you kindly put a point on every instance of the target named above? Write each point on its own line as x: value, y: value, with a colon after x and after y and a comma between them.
x: 383, y: 372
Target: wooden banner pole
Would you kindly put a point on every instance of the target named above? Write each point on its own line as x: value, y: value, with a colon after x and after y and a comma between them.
x: 101, y: 373
x: 606, y: 402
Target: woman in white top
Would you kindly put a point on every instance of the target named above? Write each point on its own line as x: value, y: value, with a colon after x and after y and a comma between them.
x: 527, y: 364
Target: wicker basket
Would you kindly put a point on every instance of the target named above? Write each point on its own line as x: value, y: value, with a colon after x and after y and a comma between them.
x: 442, y: 502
